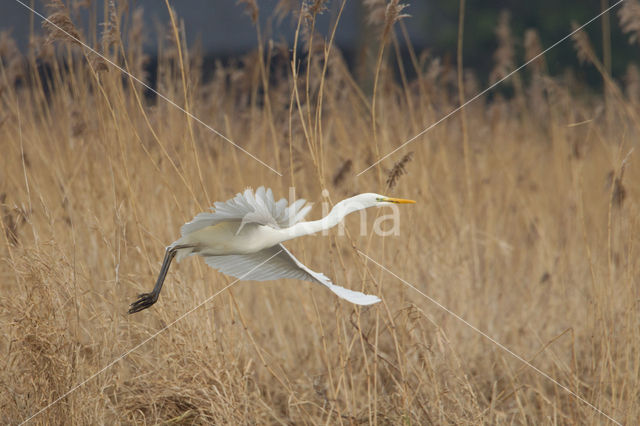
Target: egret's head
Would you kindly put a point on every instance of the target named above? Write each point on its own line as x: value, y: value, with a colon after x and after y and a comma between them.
x: 377, y: 200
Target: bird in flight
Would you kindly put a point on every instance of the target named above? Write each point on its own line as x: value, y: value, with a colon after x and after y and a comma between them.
x: 243, y: 237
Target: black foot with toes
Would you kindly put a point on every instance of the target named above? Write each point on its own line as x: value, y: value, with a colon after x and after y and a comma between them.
x: 144, y: 301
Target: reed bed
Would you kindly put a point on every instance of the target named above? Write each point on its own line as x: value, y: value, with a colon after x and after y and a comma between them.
x: 528, y: 231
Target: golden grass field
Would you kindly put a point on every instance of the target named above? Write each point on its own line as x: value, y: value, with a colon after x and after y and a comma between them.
x: 526, y: 225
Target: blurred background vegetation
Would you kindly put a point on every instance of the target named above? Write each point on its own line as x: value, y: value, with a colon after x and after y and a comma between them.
x: 552, y: 19
x: 224, y: 32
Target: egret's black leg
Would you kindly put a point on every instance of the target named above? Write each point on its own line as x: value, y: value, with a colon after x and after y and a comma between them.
x: 145, y: 300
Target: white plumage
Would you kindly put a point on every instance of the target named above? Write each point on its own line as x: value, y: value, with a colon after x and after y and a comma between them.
x: 278, y: 262
x: 243, y: 237
x: 248, y: 207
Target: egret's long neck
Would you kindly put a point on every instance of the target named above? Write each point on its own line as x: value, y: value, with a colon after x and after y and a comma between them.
x: 337, y: 213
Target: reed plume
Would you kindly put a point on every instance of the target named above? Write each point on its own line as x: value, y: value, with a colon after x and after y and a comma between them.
x: 398, y: 170
x: 629, y: 15
x: 385, y: 15
x: 251, y: 9
x: 583, y: 46
x: 504, y: 55
x: 111, y: 28
x: 59, y: 26
x: 533, y: 48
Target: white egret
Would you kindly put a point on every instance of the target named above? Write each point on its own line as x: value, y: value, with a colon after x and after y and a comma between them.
x: 248, y: 230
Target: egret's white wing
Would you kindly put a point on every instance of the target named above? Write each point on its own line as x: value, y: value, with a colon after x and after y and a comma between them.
x: 249, y: 207
x: 282, y: 265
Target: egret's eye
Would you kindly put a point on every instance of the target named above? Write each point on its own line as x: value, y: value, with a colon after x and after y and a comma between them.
x: 379, y: 199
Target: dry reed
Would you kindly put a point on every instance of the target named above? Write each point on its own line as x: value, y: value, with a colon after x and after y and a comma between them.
x: 398, y: 170
x: 96, y: 181
x: 629, y: 14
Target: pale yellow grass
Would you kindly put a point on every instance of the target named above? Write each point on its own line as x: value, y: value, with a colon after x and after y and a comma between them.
x: 96, y: 180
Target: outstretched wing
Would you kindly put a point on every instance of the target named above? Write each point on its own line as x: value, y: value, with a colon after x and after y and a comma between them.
x: 281, y: 265
x: 249, y: 207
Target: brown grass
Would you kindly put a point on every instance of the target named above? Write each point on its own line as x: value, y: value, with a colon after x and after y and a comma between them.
x: 96, y: 181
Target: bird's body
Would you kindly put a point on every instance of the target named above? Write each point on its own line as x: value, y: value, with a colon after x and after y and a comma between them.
x: 243, y: 237
x: 226, y: 238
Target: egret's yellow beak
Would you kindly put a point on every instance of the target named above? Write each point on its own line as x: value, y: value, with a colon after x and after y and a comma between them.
x: 398, y: 201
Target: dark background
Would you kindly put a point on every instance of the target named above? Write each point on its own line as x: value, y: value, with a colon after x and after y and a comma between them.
x: 225, y: 30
